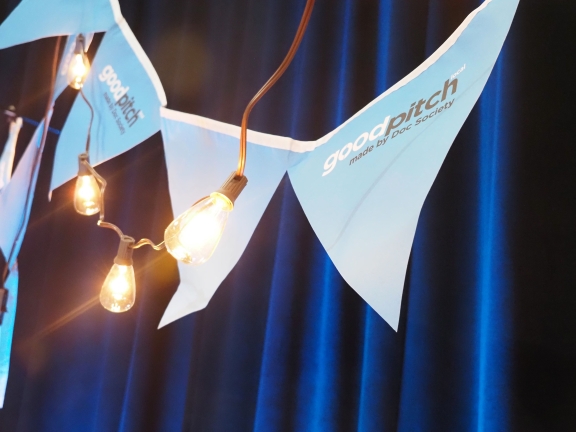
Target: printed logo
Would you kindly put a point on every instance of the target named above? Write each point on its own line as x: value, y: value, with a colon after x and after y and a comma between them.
x: 121, y: 100
x: 392, y: 127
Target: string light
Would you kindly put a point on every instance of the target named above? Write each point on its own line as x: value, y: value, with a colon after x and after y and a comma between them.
x: 193, y: 236
x: 79, y: 65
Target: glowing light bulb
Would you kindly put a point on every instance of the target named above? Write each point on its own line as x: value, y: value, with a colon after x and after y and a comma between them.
x: 194, y: 235
x: 87, y: 195
x: 118, y: 292
x: 78, y: 70
x: 79, y: 65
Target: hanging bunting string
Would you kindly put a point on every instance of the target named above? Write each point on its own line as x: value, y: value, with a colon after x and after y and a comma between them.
x: 35, y: 168
x: 34, y: 123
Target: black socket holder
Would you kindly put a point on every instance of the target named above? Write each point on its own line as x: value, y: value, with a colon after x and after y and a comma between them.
x: 82, y: 168
x: 233, y: 186
x: 124, y: 256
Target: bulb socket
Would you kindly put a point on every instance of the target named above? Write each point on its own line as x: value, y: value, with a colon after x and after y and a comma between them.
x: 82, y: 168
x: 125, y: 251
x: 233, y: 186
x: 80, y: 43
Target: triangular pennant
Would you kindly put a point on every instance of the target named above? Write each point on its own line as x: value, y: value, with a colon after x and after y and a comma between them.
x: 362, y: 186
x: 15, y: 210
x: 200, y: 155
x: 126, y: 94
x: 7, y: 329
x: 37, y: 19
x: 14, y: 205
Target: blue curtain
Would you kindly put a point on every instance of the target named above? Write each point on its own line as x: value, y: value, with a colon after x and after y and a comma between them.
x: 487, y: 340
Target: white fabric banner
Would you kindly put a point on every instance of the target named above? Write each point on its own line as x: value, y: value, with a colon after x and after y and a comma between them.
x: 201, y: 154
x: 362, y: 186
x: 14, y: 214
x: 7, y: 329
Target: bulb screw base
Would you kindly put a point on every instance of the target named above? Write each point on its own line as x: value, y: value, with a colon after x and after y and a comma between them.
x: 125, y: 251
x: 82, y: 168
x: 80, y: 43
x: 233, y: 186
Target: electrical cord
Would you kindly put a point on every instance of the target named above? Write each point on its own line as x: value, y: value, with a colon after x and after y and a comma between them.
x: 275, y: 77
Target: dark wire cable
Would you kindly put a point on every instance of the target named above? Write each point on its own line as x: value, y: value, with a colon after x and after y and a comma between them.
x: 38, y: 157
x: 103, y: 224
x: 279, y: 72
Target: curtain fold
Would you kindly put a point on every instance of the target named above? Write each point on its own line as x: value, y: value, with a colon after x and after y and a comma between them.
x: 487, y: 338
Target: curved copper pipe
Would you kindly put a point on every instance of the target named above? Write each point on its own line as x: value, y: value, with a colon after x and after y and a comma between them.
x: 279, y: 72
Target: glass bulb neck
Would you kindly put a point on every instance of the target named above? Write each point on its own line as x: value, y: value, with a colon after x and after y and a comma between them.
x: 233, y: 186
x: 80, y: 44
x: 125, y: 251
x: 83, y: 159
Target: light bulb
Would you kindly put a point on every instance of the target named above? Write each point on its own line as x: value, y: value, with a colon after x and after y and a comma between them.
x: 79, y: 65
x: 87, y: 195
x: 194, y: 235
x: 118, y: 292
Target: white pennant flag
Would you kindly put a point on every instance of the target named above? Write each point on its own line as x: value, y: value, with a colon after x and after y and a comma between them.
x: 126, y: 94
x: 362, y: 186
x: 14, y: 207
x: 14, y: 215
x: 7, y: 329
x: 200, y: 155
x: 37, y: 19
x: 7, y: 158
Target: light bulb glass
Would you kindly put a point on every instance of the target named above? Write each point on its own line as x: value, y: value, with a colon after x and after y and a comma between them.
x: 194, y: 235
x: 78, y: 70
x: 87, y: 196
x: 118, y: 293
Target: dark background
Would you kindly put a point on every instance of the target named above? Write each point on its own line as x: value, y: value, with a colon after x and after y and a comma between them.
x: 487, y: 340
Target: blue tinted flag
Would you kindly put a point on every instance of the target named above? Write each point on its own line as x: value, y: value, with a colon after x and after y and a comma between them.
x: 126, y: 94
x: 7, y: 158
x: 362, y: 186
x: 14, y: 207
x: 7, y: 329
x: 15, y: 211
x: 37, y: 19
x: 14, y: 214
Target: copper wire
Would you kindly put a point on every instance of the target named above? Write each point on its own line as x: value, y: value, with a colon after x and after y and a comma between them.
x: 279, y: 72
